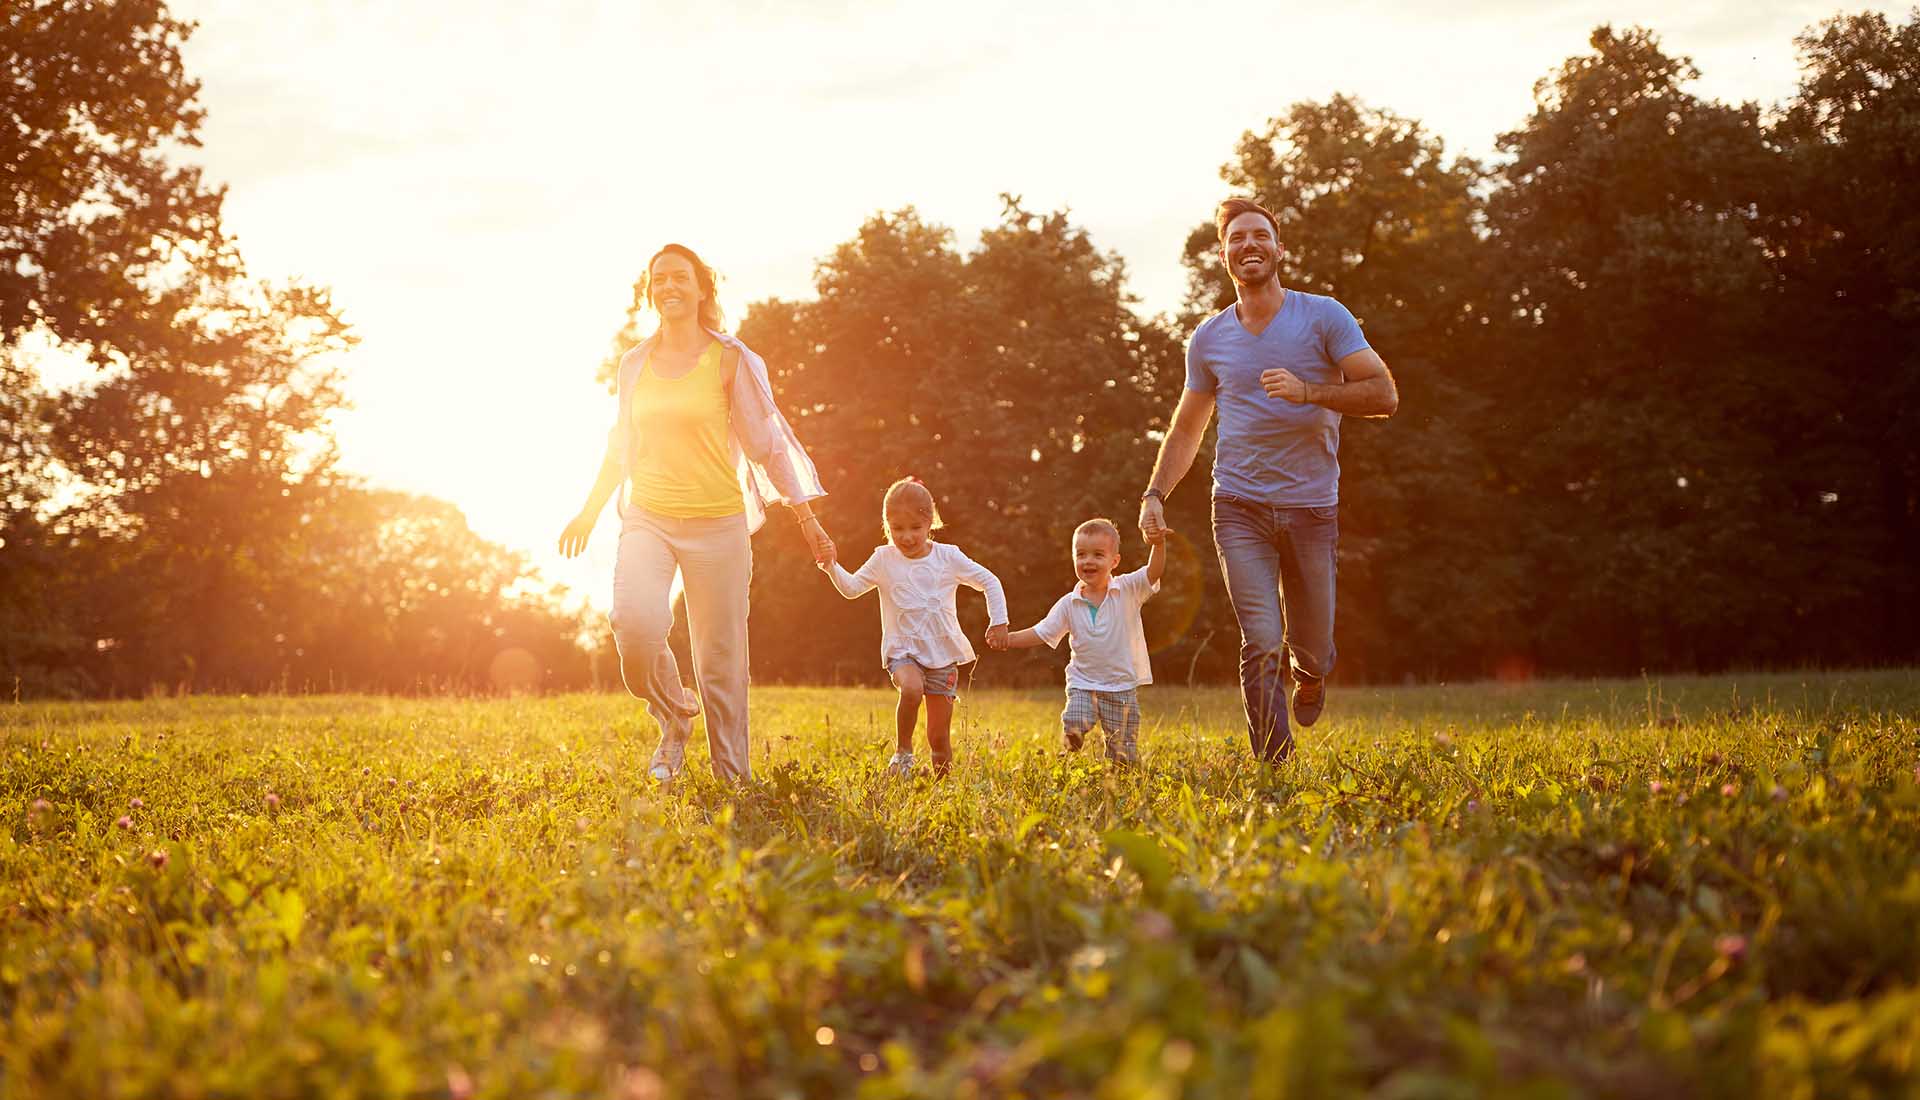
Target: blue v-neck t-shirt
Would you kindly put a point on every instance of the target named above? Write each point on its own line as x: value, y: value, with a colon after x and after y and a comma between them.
x: 1269, y: 450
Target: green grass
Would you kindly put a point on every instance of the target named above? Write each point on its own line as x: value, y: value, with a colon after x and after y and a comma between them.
x: 1459, y: 891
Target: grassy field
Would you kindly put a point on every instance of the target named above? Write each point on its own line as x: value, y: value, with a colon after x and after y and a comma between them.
x: 1682, y: 887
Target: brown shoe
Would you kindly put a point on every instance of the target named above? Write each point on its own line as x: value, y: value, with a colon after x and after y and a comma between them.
x: 1309, y: 698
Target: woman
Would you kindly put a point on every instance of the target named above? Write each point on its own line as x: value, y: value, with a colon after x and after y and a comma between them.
x: 701, y: 446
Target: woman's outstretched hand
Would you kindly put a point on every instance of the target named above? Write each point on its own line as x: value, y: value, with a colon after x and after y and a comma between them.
x: 574, y: 538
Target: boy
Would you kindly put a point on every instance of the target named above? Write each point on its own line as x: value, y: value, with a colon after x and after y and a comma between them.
x: 1102, y: 615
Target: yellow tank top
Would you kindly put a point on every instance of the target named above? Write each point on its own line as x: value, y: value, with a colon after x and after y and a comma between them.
x: 684, y: 465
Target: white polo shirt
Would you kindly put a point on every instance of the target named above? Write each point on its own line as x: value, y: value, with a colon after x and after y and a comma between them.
x: 1109, y: 641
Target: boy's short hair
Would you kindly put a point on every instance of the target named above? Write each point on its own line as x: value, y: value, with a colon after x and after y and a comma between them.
x: 1104, y: 526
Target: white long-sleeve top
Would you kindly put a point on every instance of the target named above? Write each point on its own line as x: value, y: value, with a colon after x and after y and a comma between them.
x: 917, y: 616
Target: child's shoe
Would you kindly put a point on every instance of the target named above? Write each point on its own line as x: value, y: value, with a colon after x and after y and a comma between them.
x: 901, y: 764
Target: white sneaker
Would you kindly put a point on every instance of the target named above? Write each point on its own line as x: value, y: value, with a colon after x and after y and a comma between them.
x: 901, y: 764
x: 667, y: 761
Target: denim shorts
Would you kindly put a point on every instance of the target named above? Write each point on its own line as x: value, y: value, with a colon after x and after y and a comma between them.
x: 944, y: 680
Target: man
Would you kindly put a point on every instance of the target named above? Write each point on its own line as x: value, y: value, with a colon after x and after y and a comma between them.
x: 1283, y: 366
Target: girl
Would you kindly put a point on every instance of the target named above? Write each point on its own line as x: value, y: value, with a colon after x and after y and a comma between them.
x: 921, y: 645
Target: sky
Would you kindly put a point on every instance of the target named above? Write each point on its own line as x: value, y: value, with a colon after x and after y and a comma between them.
x: 481, y: 183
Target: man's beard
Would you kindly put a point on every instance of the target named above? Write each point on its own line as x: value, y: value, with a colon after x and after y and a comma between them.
x: 1268, y: 272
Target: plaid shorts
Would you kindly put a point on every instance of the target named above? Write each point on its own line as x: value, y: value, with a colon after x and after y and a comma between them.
x: 1117, y: 712
x: 944, y: 680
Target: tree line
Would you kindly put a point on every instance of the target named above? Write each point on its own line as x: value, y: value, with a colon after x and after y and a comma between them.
x: 179, y: 521
x: 1658, y: 362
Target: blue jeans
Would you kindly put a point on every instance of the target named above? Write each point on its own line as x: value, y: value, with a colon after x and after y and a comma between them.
x: 1279, y: 567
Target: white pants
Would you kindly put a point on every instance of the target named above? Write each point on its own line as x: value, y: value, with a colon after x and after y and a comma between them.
x: 715, y: 560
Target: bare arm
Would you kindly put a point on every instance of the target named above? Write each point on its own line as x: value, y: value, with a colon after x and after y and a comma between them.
x: 1368, y: 389
x: 1176, y: 456
x: 1157, y: 557
x: 1024, y: 639
x: 574, y: 539
x: 1182, y: 443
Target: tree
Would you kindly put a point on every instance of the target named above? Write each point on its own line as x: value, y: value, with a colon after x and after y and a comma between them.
x: 106, y: 236
x: 191, y: 479
x: 1846, y: 232
x: 159, y: 523
x: 1638, y: 399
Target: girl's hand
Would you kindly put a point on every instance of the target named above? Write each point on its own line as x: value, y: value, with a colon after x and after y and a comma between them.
x: 574, y: 538
x: 997, y: 636
x: 818, y: 543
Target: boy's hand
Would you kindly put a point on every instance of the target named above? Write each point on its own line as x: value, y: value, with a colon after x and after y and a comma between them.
x: 1159, y: 535
x: 997, y: 636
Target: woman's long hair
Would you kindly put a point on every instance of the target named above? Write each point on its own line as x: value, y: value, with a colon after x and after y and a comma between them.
x: 703, y: 276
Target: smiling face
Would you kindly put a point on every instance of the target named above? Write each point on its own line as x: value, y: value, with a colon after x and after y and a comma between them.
x: 1095, y: 554
x: 909, y: 531
x: 674, y: 287
x: 1250, y: 250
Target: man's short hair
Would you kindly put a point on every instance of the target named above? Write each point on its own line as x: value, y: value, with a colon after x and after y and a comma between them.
x: 1102, y: 525
x: 1233, y: 208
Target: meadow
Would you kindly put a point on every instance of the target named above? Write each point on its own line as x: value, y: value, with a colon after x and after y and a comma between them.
x: 1677, y: 887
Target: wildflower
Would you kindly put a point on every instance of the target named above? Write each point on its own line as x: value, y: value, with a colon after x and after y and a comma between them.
x: 1727, y: 790
x: 157, y: 857
x: 1473, y: 805
x: 1576, y: 963
x: 40, y: 806
x: 273, y: 801
x: 366, y: 771
x: 459, y: 1083
x: 1656, y: 786
x: 125, y: 822
x: 1443, y: 740
x: 1715, y: 759
x: 1732, y: 947
x: 641, y: 1083
x: 137, y: 804
x: 1152, y: 924
x: 392, y: 782
x: 1779, y: 793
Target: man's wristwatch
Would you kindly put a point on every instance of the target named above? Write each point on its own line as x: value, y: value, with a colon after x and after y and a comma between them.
x: 1155, y: 494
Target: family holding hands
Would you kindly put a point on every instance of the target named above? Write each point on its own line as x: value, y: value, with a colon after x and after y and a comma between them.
x: 702, y: 446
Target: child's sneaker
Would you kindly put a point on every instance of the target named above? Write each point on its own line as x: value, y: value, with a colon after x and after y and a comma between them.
x: 901, y: 764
